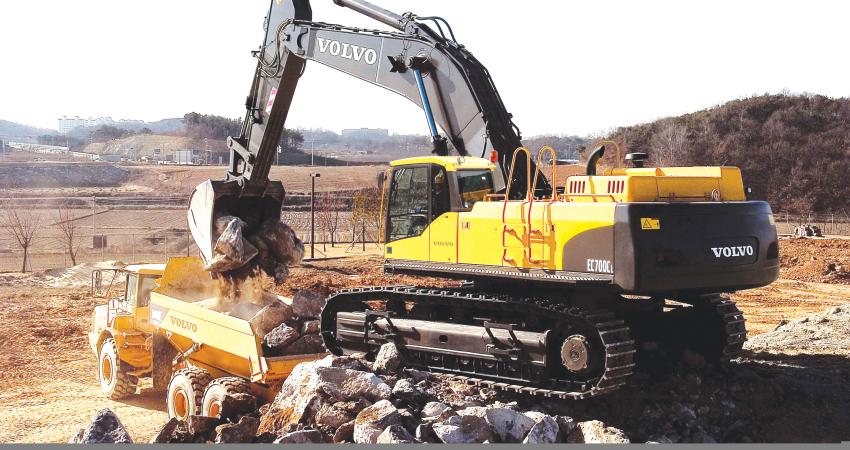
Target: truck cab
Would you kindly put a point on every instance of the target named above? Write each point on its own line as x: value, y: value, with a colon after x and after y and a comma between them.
x: 120, y: 333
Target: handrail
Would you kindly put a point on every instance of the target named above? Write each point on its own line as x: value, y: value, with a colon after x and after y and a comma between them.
x: 511, y: 178
x: 381, y: 211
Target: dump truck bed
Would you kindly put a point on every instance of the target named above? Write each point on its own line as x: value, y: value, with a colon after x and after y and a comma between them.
x: 224, y: 344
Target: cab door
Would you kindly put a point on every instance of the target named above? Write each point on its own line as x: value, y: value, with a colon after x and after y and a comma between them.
x: 409, y: 214
x: 443, y: 229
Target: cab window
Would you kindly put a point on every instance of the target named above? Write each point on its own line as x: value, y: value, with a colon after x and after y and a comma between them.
x: 474, y: 186
x: 130, y: 289
x: 147, y: 285
x: 439, y: 192
x: 408, y: 209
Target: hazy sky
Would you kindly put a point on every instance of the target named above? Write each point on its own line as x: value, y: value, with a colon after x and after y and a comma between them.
x: 561, y: 66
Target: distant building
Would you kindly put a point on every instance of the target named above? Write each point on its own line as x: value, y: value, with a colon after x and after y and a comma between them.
x: 66, y: 124
x: 365, y: 134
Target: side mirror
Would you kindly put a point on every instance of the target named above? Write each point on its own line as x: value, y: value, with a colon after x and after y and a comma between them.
x: 381, y: 178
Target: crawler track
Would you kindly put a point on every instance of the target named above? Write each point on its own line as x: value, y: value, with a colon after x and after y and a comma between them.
x: 611, y: 346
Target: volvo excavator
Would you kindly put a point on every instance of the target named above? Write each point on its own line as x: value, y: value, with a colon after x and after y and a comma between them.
x: 563, y: 288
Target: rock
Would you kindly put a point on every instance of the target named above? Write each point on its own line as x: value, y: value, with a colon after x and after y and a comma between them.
x: 508, y: 424
x: 203, y: 425
x: 353, y: 362
x: 301, y: 437
x: 388, y: 360
x: 310, y: 327
x: 436, y: 411
x: 104, y: 428
x: 345, y: 384
x: 566, y: 425
x: 235, y: 405
x: 345, y: 433
x: 596, y: 432
x: 308, y: 304
x: 425, y: 433
x: 278, y: 339
x: 546, y: 431
x: 297, y: 399
x: 306, y: 345
x: 659, y: 440
x: 467, y: 429
x: 273, y: 315
x: 395, y: 434
x: 242, y: 432
x: 330, y: 417
x: 404, y: 389
x: 176, y: 432
x: 372, y: 421
x: 265, y: 438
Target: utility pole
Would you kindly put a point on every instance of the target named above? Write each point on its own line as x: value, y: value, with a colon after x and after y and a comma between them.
x: 313, y: 176
x: 312, y: 150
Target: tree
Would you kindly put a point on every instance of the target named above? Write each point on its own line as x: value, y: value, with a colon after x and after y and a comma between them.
x: 22, y: 224
x: 70, y: 238
x: 328, y: 211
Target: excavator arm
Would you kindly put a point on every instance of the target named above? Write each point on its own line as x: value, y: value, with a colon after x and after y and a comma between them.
x: 423, y: 64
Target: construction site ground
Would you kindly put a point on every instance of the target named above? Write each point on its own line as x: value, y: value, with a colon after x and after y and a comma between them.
x: 49, y: 388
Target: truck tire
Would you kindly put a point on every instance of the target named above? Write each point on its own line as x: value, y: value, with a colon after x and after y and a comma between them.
x: 185, y: 392
x: 211, y: 404
x: 115, y: 381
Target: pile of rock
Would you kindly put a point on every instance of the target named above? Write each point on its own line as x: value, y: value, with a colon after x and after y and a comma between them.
x: 297, y: 329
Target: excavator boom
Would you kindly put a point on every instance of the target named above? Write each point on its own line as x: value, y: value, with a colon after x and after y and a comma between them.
x: 424, y: 65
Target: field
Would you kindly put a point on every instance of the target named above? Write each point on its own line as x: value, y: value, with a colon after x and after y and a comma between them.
x: 47, y: 370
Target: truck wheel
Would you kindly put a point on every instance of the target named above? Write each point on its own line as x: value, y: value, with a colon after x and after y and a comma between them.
x: 115, y: 382
x: 211, y: 405
x: 185, y: 392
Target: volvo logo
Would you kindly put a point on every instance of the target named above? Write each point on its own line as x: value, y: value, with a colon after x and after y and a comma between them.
x: 733, y: 252
x: 348, y: 51
x: 184, y: 324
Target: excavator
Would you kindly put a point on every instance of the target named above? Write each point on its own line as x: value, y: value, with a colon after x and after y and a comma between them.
x: 562, y: 288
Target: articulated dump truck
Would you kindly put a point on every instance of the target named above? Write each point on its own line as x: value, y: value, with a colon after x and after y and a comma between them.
x: 169, y: 326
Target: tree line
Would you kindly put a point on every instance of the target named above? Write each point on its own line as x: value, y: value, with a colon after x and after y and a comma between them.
x: 793, y: 151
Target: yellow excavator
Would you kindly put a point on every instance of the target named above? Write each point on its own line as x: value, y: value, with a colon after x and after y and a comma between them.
x: 566, y: 286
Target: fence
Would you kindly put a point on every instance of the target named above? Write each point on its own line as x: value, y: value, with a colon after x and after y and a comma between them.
x: 830, y: 224
x: 48, y: 249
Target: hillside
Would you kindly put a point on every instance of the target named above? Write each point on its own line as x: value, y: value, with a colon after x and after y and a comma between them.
x: 14, y: 129
x: 144, y: 144
x: 794, y: 151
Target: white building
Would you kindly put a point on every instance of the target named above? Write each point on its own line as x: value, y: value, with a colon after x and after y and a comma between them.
x: 365, y: 134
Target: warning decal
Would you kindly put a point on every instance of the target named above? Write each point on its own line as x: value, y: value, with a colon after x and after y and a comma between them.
x: 271, y: 100
x: 648, y: 223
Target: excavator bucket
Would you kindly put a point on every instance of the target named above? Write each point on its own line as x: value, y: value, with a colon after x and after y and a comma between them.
x: 220, y: 213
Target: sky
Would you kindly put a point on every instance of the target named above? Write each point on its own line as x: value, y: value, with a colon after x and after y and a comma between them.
x: 561, y: 67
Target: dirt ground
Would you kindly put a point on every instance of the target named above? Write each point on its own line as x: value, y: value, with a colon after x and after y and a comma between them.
x: 48, y: 383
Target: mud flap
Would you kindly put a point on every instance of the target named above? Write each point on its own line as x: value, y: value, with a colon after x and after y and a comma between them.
x: 162, y: 357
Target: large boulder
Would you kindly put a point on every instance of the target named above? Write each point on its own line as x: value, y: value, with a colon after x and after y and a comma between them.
x: 345, y: 433
x: 306, y: 345
x: 242, y: 432
x: 298, y: 399
x: 203, y: 426
x: 372, y: 421
x: 319, y: 394
x: 310, y: 327
x: 395, y: 434
x: 596, y: 432
x: 345, y: 384
x: 279, y: 339
x: 301, y: 437
x: 176, y: 432
x: 238, y: 404
x: 104, y: 428
x: 546, y: 431
x: 509, y: 425
x: 436, y: 412
x: 308, y: 304
x: 388, y: 359
x: 469, y: 429
x: 272, y: 316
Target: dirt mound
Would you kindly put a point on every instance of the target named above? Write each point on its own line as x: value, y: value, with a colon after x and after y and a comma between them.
x: 815, y: 260
x: 76, y: 276
x: 827, y: 332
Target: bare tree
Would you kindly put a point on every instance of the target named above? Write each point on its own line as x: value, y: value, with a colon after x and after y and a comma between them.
x: 328, y: 211
x: 22, y: 224
x: 70, y: 238
x: 669, y: 144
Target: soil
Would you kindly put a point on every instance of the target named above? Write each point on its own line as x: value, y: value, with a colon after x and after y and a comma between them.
x: 49, y: 388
